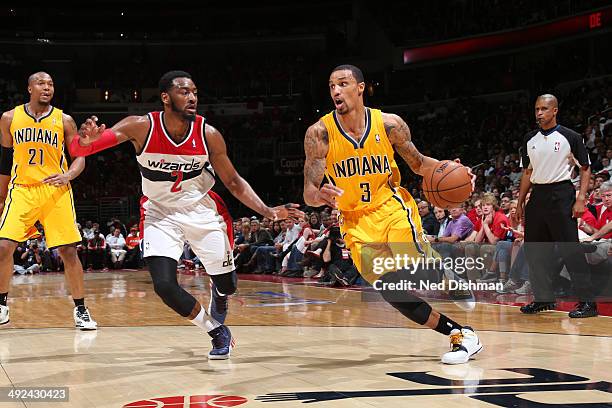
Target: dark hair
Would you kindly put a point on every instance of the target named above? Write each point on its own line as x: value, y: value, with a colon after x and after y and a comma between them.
x: 273, y: 231
x: 334, y: 233
x: 318, y: 222
x: 357, y: 74
x: 165, y: 82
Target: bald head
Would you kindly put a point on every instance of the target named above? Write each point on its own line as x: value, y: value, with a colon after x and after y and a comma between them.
x: 549, y: 99
x: 546, y: 108
x: 38, y: 75
x: 41, y: 89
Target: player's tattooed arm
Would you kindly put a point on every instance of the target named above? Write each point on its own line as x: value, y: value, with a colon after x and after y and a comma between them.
x: 316, y: 146
x: 399, y: 135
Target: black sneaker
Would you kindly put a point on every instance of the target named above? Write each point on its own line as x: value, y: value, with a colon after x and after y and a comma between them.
x: 222, y: 342
x: 584, y: 309
x: 338, y: 277
x: 535, y: 307
x: 217, y: 308
x: 460, y: 294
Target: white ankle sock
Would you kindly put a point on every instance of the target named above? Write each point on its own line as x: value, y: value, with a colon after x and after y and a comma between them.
x: 204, y: 321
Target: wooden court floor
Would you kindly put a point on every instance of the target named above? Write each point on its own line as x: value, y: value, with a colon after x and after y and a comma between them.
x: 296, y: 344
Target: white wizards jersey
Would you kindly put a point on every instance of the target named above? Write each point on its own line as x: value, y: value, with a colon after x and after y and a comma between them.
x: 175, y: 174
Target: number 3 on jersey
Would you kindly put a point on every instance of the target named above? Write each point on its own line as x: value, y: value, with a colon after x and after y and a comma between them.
x: 366, y: 196
x: 176, y: 187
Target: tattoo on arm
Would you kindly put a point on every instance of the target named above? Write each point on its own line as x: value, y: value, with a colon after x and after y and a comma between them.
x: 316, y: 144
x: 401, y: 139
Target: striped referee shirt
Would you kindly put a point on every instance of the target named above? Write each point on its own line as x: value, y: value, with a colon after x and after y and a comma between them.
x: 547, y: 153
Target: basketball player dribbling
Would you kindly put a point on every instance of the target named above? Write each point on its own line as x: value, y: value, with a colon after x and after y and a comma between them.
x: 35, y: 186
x: 178, y: 155
x: 377, y: 215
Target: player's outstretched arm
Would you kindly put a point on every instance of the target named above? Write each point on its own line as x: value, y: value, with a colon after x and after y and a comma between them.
x: 238, y: 186
x: 93, y: 138
x: 399, y: 135
x: 316, y: 146
x: 6, y: 155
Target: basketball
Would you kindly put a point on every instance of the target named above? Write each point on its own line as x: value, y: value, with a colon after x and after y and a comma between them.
x: 447, y: 185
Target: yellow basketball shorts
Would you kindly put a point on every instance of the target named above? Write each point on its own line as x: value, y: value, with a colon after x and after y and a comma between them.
x: 385, y: 238
x: 52, y: 206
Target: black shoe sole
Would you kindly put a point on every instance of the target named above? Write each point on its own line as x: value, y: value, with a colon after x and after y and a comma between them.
x: 583, y: 315
x: 543, y: 308
x: 460, y: 295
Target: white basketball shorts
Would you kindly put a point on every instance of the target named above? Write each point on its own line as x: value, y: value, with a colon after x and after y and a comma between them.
x: 204, y: 226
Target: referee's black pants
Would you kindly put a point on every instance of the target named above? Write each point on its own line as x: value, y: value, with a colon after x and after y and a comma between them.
x: 551, y: 232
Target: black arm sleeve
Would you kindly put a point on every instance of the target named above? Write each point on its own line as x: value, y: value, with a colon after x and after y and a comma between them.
x: 6, y: 160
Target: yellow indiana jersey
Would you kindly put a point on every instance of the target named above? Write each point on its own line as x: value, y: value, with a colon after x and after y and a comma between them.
x: 38, y: 146
x: 364, y: 169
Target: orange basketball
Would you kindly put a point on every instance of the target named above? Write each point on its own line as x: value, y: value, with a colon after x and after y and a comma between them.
x: 447, y: 185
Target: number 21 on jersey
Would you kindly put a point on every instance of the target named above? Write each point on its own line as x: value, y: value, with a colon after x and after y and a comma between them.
x: 36, y: 160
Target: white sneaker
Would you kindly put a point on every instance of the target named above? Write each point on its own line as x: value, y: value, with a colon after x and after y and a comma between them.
x: 464, y: 344
x: 4, y: 314
x: 524, y: 290
x: 509, y: 287
x: 84, y: 321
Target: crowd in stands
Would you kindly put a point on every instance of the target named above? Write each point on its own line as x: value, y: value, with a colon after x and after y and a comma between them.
x: 118, y: 249
x: 488, y: 136
x: 486, y: 226
x: 485, y: 135
x: 312, y: 247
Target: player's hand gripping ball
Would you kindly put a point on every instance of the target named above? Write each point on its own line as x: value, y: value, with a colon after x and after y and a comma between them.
x: 448, y: 184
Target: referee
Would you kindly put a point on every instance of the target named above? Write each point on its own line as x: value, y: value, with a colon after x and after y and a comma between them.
x: 551, y: 229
